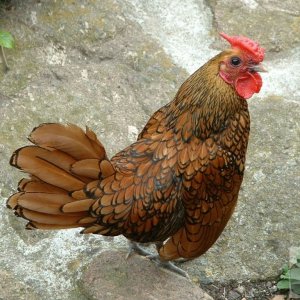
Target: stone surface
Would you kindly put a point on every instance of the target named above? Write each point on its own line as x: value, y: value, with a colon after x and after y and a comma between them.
x: 184, y: 28
x: 233, y: 295
x: 109, y: 65
x: 17, y: 291
x: 275, y: 23
x: 111, y: 276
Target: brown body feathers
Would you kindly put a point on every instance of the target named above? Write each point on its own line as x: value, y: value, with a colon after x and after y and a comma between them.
x: 177, y: 184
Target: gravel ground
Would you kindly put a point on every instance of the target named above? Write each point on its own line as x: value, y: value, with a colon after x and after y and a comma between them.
x: 244, y: 290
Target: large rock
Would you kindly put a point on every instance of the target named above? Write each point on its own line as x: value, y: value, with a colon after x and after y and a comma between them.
x: 111, y: 276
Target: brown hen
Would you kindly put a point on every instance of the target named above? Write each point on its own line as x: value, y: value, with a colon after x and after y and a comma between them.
x: 177, y: 186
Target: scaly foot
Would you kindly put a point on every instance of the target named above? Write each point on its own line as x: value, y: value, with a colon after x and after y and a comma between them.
x: 135, y: 248
x: 168, y: 265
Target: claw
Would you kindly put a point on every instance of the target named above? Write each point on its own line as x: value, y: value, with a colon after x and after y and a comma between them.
x: 169, y: 266
x: 135, y: 248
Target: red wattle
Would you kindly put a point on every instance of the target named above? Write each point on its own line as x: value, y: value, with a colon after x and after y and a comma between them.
x: 248, y: 84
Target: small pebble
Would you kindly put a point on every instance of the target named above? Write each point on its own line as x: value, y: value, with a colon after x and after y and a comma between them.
x: 233, y: 295
x: 207, y: 297
x: 240, y: 289
x: 278, y: 297
x: 273, y: 289
x: 195, y: 280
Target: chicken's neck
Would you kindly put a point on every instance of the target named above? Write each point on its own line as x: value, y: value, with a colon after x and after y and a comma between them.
x: 205, y: 102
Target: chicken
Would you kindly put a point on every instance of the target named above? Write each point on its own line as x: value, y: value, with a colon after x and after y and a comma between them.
x: 176, y: 186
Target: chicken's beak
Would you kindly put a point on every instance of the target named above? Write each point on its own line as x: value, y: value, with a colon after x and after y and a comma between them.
x: 258, y: 68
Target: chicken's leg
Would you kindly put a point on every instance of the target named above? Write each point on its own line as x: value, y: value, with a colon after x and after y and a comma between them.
x: 168, y: 265
x: 134, y: 247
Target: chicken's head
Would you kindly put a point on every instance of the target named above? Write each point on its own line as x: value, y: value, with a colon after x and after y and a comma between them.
x: 241, y: 64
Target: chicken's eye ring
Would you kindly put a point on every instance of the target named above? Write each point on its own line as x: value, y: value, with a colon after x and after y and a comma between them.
x: 235, y: 61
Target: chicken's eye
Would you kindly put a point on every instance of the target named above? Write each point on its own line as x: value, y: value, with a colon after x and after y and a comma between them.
x: 235, y: 61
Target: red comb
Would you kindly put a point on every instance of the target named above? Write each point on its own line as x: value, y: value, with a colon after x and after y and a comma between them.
x: 245, y: 44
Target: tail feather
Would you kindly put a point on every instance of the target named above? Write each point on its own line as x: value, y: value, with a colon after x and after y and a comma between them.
x: 34, y: 225
x: 29, y: 185
x: 54, y: 157
x: 86, y: 220
x: 78, y: 195
x: 91, y: 190
x: 87, y: 167
x: 69, y: 139
x: 41, y: 202
x: 47, y: 218
x: 78, y: 206
x: 65, y: 166
x: 12, y: 201
x: 96, y: 144
x: 48, y: 166
x: 83, y: 222
x: 93, y: 168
